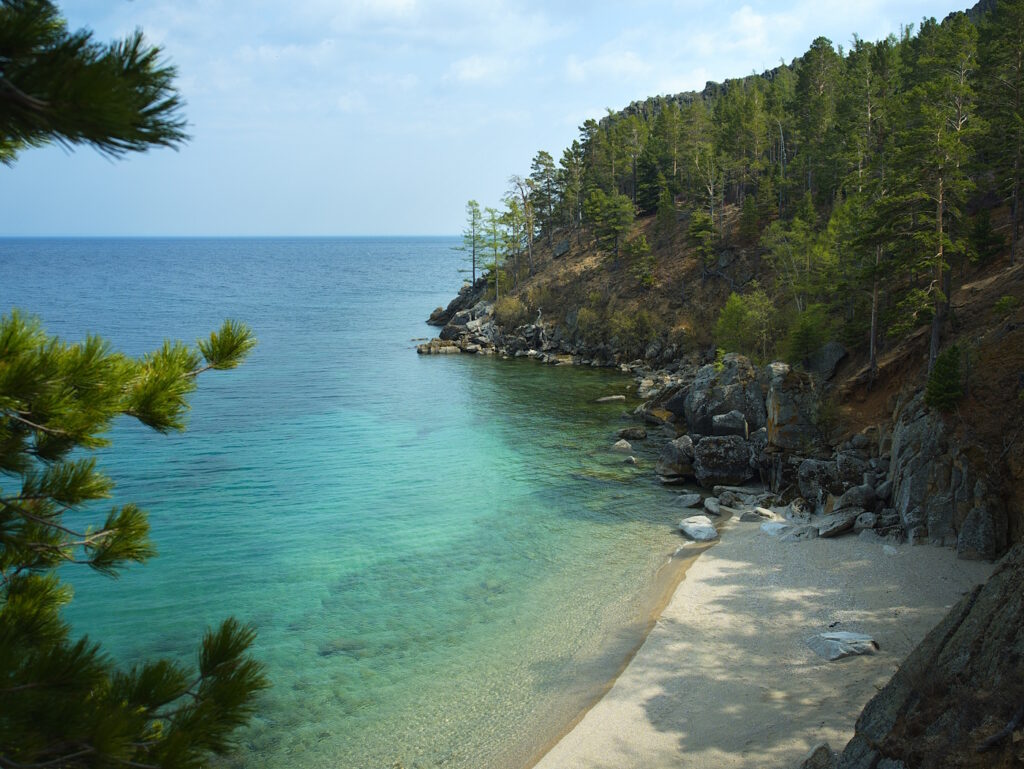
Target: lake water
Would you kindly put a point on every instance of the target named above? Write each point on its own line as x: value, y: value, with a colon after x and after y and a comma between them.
x: 442, y: 557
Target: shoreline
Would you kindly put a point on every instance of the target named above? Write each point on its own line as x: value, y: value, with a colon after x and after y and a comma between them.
x: 666, y: 582
x: 723, y: 679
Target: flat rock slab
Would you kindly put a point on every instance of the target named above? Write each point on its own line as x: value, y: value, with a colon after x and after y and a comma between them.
x: 698, y: 528
x: 774, y: 528
x: 840, y: 643
x: 838, y: 522
x: 688, y: 500
x: 611, y: 399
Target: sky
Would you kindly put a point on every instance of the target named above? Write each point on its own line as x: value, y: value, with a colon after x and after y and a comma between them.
x: 383, y: 117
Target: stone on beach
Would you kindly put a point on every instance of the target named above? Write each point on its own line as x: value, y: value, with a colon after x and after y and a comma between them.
x: 840, y: 643
x: 712, y: 506
x: 698, y: 528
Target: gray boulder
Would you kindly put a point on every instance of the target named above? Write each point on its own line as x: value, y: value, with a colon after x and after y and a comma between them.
x: 714, y: 392
x: 721, y: 459
x: 675, y: 463
x: 698, y: 528
x: 730, y: 423
x: 823, y: 361
x: 857, y: 496
x: 623, y: 446
x: 688, y: 500
x: 712, y: 506
x: 838, y: 522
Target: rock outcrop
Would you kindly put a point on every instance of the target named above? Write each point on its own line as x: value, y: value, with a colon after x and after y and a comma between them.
x: 941, y: 496
x: 958, y: 699
x: 715, y: 392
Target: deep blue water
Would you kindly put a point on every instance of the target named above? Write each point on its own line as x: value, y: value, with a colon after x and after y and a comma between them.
x: 442, y: 557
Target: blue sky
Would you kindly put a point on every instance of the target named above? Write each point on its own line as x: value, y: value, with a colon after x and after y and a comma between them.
x: 361, y: 117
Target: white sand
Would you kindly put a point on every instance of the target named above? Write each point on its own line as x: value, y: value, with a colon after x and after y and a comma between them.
x: 725, y: 679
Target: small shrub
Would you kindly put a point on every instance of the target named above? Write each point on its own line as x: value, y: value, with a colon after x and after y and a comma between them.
x: 588, y: 323
x: 944, y: 386
x: 631, y: 331
x: 719, y: 363
x: 1006, y: 305
x: 510, y: 312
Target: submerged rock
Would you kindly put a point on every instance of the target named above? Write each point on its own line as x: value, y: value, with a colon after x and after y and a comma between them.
x: 688, y: 500
x: 623, y: 446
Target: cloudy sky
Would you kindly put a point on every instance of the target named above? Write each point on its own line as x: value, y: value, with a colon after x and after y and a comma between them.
x: 363, y: 117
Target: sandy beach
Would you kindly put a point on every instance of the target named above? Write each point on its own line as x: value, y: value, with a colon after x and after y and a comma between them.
x: 725, y: 679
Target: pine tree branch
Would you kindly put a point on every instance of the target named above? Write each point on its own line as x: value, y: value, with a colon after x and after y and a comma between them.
x: 41, y: 428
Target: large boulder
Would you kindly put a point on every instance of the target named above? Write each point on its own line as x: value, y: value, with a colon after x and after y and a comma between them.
x: 950, y: 702
x: 722, y: 459
x: 823, y: 361
x: 791, y: 406
x: 675, y: 463
x: 732, y: 387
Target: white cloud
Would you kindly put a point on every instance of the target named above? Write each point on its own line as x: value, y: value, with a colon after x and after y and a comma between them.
x: 479, y: 69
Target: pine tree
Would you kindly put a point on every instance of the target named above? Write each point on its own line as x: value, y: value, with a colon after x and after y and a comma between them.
x: 64, y: 87
x: 473, y: 236
x: 63, y: 702
x: 944, y: 388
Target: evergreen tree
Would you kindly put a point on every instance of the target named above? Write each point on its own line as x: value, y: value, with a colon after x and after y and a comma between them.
x: 1001, y: 55
x: 944, y: 388
x: 611, y: 216
x: 62, y: 700
x: 64, y: 87
x: 473, y: 236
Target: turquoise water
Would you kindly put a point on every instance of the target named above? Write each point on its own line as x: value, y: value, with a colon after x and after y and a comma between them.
x: 443, y: 559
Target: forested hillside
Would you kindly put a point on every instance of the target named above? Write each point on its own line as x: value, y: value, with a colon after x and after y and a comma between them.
x: 845, y: 195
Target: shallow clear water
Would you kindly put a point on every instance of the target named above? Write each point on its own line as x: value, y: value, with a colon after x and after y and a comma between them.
x: 442, y: 557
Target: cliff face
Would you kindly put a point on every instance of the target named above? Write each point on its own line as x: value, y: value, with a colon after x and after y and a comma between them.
x: 957, y: 702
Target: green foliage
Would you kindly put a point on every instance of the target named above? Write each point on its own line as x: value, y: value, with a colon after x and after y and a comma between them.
x: 641, y: 260
x: 64, y: 87
x: 1005, y: 305
x: 612, y: 216
x: 510, y: 312
x: 473, y: 238
x: 750, y: 227
x: 702, y: 236
x: 985, y: 244
x: 64, y: 703
x: 631, y: 332
x: 719, y: 363
x: 746, y: 324
x: 945, y: 388
x: 808, y: 332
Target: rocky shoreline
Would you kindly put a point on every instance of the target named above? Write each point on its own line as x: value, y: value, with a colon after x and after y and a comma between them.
x: 731, y: 422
